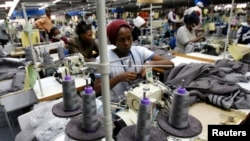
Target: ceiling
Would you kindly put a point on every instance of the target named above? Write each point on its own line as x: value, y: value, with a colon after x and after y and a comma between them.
x: 89, y: 5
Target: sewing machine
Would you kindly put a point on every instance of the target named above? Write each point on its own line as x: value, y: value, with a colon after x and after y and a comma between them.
x: 159, y: 95
x: 157, y: 92
x: 218, y: 43
x: 73, y: 65
x: 39, y: 50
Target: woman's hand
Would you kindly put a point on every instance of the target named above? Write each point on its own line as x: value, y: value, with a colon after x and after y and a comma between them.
x: 128, y: 76
x: 143, y: 70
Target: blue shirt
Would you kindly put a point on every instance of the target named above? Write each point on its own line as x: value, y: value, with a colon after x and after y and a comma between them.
x: 244, y: 35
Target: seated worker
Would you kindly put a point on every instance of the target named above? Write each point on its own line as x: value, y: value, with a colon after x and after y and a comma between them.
x: 119, y: 34
x: 186, y: 33
x: 243, y: 33
x: 55, y: 36
x: 84, y: 42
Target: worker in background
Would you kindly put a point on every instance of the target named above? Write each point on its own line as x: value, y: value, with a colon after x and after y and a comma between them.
x: 186, y: 33
x: 89, y: 19
x: 198, y: 8
x: 83, y: 42
x: 138, y: 23
x: 119, y: 34
x: 4, y: 36
x: 45, y: 22
x: 67, y: 30
x: 56, y: 36
x: 173, y: 19
x: 243, y: 33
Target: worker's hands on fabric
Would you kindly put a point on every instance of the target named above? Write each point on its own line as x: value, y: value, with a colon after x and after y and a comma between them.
x: 128, y: 76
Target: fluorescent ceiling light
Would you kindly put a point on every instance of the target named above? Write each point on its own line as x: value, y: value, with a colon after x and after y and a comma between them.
x: 7, y: 4
x: 56, y: 1
x: 12, y: 8
x: 3, y: 5
x: 45, y: 6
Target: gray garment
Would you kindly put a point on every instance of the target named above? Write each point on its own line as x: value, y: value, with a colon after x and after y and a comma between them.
x: 12, y: 70
x: 163, y: 52
x: 211, y: 83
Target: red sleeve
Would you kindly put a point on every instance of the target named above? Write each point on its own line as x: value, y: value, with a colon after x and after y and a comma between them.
x: 66, y: 41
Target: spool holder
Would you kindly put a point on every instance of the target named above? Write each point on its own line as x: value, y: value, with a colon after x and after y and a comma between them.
x: 193, y: 129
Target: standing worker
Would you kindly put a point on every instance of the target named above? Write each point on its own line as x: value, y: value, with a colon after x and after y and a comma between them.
x: 172, y: 19
x: 45, y: 22
x: 198, y: 10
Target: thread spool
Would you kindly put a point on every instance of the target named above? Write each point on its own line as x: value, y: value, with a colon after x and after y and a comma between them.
x: 89, y: 125
x: 46, y: 58
x: 29, y: 54
x: 70, y: 99
x: 177, y: 122
x: 143, y: 121
x: 178, y: 117
x: 89, y: 117
x: 70, y: 105
x: 143, y: 131
x: 218, y: 31
x: 60, y: 51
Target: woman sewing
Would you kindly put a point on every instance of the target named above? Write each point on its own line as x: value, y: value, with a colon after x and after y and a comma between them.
x: 186, y: 34
x: 84, y: 43
x: 119, y: 34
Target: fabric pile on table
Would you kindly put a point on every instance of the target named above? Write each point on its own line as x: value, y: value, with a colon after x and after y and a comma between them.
x: 213, y: 83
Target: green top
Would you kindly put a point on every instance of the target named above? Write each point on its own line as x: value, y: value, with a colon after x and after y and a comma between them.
x: 88, y: 50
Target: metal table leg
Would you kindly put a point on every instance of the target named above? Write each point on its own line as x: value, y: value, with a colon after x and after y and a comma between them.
x: 8, y: 121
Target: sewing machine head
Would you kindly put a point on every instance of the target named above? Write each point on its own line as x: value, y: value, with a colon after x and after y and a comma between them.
x: 72, y: 65
x: 157, y: 92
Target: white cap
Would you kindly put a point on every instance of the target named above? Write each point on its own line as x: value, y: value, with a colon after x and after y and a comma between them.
x: 138, y: 21
x: 200, y: 4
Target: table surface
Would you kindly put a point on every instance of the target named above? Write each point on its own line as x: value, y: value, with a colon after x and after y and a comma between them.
x: 216, y: 116
x: 52, y: 89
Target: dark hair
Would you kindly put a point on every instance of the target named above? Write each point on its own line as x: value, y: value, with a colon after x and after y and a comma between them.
x: 47, y: 9
x: 82, y: 28
x: 52, y: 30
x: 192, y: 18
x: 88, y: 14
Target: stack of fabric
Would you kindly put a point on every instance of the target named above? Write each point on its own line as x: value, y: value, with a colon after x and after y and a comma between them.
x: 213, y: 83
